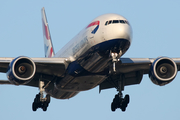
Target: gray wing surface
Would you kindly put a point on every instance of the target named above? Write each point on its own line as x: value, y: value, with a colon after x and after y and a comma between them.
x: 132, y: 70
x: 45, y: 66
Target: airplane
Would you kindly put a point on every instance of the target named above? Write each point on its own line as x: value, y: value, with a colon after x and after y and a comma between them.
x: 92, y: 58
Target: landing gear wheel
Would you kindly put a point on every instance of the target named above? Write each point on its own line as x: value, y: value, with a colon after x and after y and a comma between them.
x: 116, y: 103
x: 48, y: 98
x: 119, y: 102
x: 127, y: 99
x: 36, y: 102
x: 113, y: 107
x: 125, y: 102
x: 37, y: 99
x: 41, y: 102
x: 45, y: 105
x: 34, y: 106
x: 123, y: 108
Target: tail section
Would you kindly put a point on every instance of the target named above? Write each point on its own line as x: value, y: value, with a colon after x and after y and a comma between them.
x: 48, y: 47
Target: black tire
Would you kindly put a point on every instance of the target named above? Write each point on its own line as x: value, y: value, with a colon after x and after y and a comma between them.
x: 37, y: 99
x: 113, y: 107
x: 125, y: 103
x: 116, y: 96
x: 45, y: 105
x: 127, y: 99
x: 116, y: 102
x: 34, y: 106
x: 44, y: 108
x: 123, y: 108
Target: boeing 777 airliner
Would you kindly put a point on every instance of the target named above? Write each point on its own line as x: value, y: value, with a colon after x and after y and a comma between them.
x: 92, y: 58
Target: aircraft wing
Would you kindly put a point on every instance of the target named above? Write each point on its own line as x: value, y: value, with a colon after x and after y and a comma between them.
x: 132, y: 71
x: 44, y: 66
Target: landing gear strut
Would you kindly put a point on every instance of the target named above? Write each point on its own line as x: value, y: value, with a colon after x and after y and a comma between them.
x: 40, y: 101
x: 119, y: 101
x: 115, y: 58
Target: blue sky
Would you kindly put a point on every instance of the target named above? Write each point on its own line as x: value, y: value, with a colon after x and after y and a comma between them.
x: 155, y: 33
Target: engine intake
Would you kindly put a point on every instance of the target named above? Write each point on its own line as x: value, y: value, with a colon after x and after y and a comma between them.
x: 163, y: 71
x: 21, y: 70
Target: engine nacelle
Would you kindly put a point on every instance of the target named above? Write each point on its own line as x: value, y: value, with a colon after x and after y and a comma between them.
x: 163, y: 71
x: 21, y: 70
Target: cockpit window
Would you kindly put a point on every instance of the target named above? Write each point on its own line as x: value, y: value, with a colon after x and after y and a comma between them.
x: 117, y: 21
x: 110, y: 22
x: 122, y: 21
x: 127, y: 22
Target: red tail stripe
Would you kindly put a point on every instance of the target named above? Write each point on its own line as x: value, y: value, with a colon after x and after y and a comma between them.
x: 45, y: 30
x: 51, y: 51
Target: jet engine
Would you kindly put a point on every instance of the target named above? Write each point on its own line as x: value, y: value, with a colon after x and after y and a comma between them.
x: 163, y: 70
x: 21, y: 70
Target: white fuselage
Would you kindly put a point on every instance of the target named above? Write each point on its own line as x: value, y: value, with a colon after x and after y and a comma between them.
x: 88, y: 54
x: 104, y: 33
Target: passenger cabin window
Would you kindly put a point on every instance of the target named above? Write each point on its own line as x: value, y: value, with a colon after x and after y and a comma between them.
x: 117, y: 21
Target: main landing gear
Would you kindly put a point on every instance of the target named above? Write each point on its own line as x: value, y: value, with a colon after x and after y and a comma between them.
x: 40, y: 101
x: 118, y: 101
